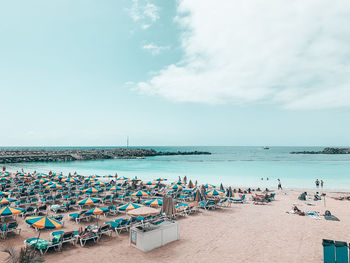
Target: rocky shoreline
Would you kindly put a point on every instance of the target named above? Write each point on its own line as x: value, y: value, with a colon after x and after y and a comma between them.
x: 20, y: 156
x: 328, y: 150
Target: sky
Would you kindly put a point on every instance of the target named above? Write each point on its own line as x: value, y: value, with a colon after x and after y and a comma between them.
x: 185, y: 72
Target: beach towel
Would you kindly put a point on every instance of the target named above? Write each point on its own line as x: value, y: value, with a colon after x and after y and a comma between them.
x: 310, y: 204
x: 313, y: 214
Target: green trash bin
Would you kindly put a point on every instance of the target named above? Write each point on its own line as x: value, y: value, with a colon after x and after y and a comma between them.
x: 341, y: 252
x: 328, y: 251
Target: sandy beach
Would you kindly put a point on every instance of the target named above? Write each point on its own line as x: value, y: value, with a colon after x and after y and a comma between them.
x: 240, y: 233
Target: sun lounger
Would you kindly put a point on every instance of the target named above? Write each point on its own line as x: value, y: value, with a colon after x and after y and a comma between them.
x: 210, y: 204
x: 79, y: 216
x: 10, y: 227
x: 70, y: 237
x: 29, y: 211
x: 223, y: 202
x: 240, y: 200
x: 106, y: 229
x: 43, y: 245
x: 84, y: 237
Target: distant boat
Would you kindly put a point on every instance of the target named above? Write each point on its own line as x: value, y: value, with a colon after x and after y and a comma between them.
x: 266, y: 148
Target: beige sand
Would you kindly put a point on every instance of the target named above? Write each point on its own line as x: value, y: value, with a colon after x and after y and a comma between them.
x: 241, y: 233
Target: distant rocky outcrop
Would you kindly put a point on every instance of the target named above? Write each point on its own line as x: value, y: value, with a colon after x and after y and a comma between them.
x: 328, y: 150
x: 19, y: 156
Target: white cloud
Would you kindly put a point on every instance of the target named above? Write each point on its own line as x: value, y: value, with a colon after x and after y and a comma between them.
x: 154, y: 49
x: 292, y: 52
x: 145, y: 12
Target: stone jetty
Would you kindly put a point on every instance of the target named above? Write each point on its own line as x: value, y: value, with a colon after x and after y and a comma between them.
x: 19, y: 156
x: 328, y: 150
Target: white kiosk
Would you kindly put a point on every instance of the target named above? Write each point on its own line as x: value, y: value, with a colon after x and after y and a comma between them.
x: 148, y: 236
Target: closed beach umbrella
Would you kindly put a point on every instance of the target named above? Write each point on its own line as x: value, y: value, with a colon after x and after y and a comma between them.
x: 229, y: 192
x: 8, y: 210
x: 6, y: 200
x: 190, y: 184
x: 154, y: 202
x: 214, y: 192
x: 89, y: 201
x: 144, y: 211
x: 222, y: 187
x: 91, y: 190
x: 128, y: 207
x: 140, y: 194
x: 197, y: 196
x: 168, y: 206
x: 43, y: 222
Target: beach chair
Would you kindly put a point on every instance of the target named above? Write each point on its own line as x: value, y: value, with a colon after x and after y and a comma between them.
x: 106, y: 229
x: 240, y: 200
x: 11, y: 227
x: 69, y: 237
x: 112, y: 210
x: 210, y: 204
x: 29, y: 211
x: 43, y: 245
x: 328, y: 251
x: 341, y: 252
x: 259, y: 200
x: 89, y: 235
x: 80, y: 216
x: 42, y: 210
x: 223, y: 202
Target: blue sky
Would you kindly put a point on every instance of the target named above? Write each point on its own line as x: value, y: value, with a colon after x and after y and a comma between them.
x: 174, y: 73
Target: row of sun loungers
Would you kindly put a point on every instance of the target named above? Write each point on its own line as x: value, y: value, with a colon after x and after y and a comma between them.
x: 8, y: 228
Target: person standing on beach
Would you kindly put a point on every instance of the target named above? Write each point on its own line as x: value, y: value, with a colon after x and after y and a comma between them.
x: 279, y: 184
x: 322, y: 183
x: 317, y: 182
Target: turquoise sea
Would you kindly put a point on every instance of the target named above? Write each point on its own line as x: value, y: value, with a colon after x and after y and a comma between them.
x: 236, y: 166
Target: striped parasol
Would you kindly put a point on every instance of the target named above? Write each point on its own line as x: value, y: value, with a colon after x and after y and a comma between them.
x: 43, y: 222
x: 114, y: 188
x: 140, y: 194
x: 89, y: 201
x: 8, y: 210
x: 6, y: 200
x: 154, y: 202
x: 128, y: 207
x: 214, y: 192
x: 92, y: 190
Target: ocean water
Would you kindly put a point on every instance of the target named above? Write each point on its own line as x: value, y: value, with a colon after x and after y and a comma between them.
x: 235, y: 166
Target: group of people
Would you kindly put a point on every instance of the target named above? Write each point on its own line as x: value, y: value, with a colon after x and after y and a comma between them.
x: 318, y: 183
